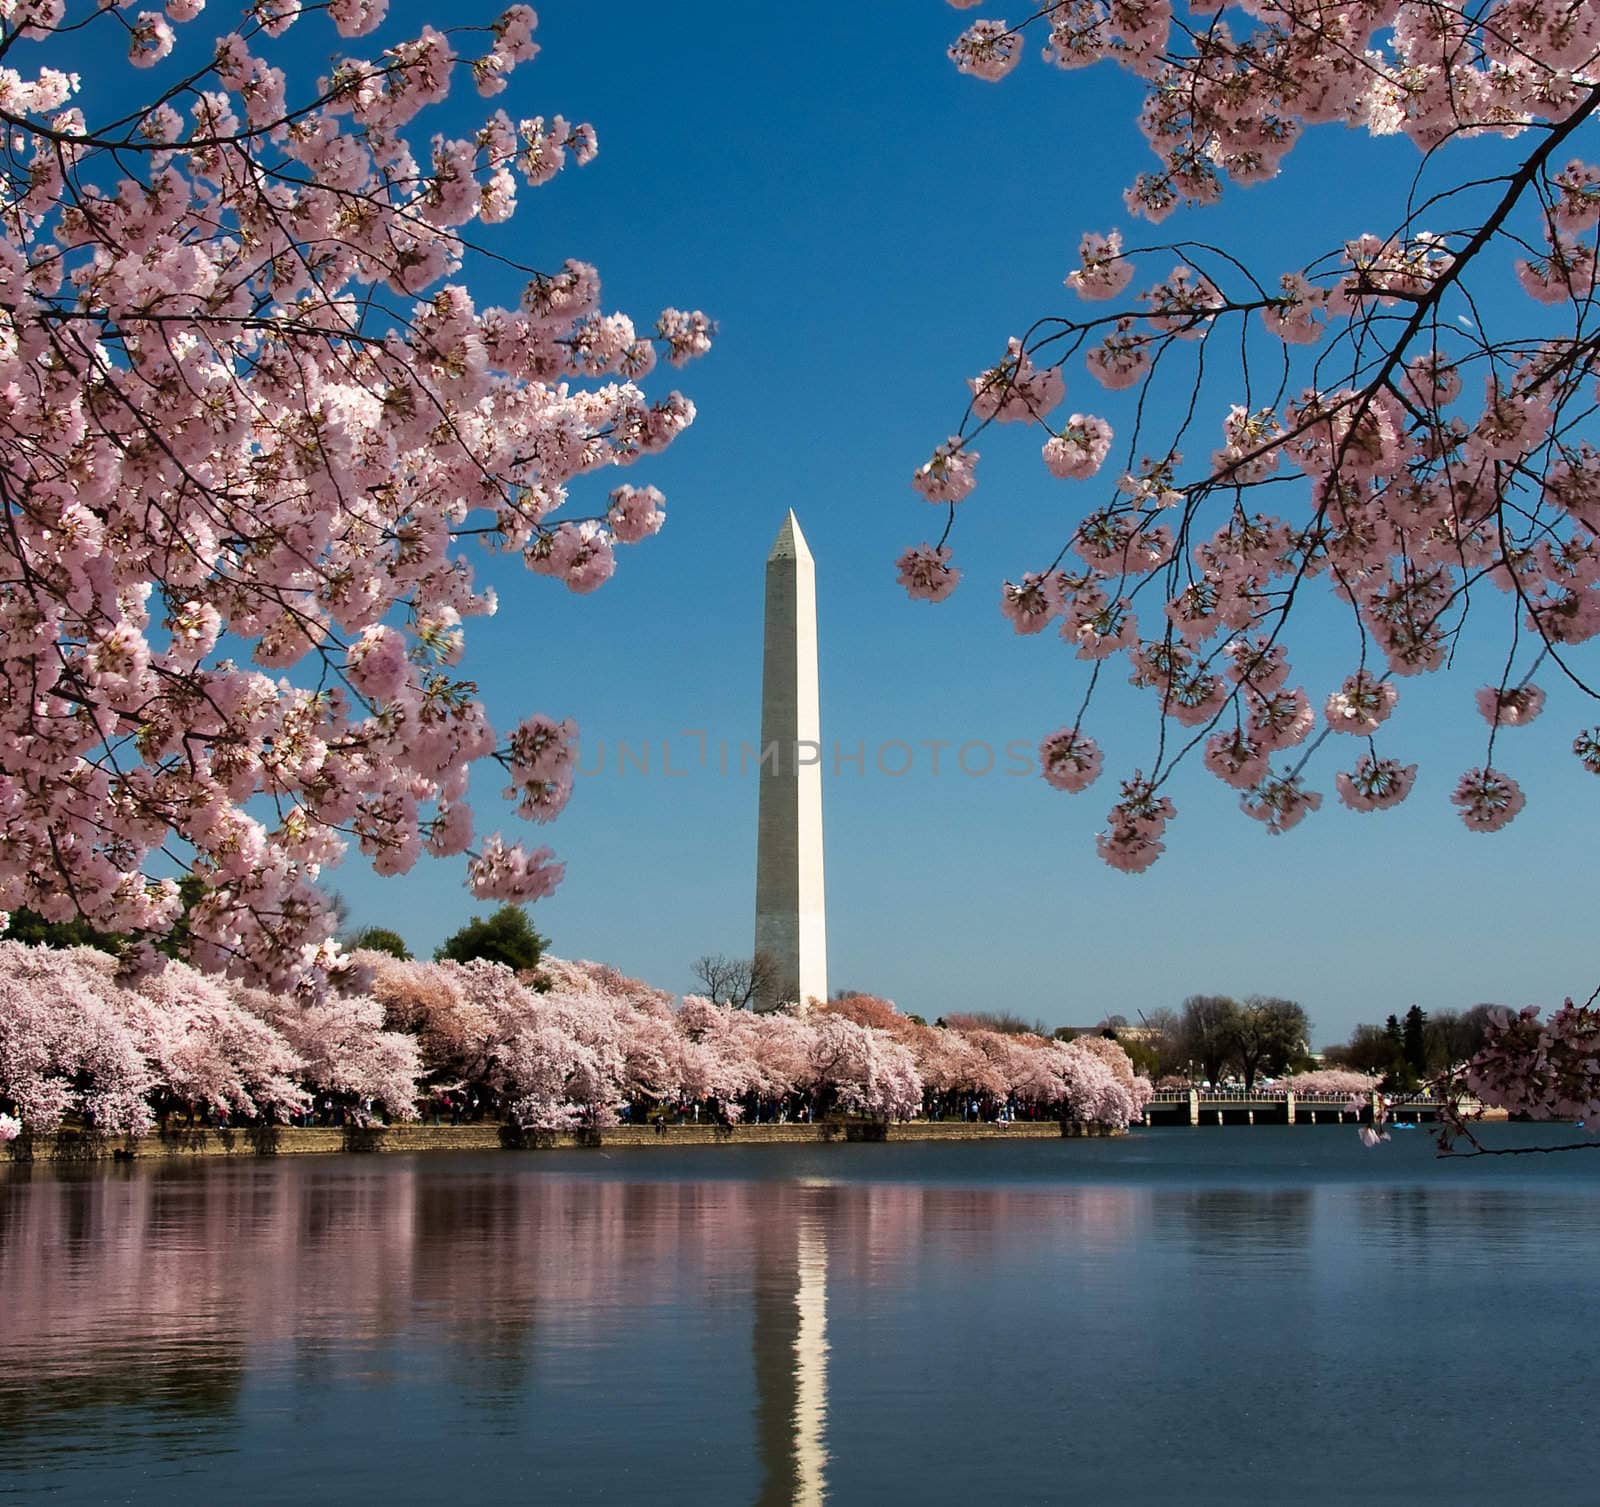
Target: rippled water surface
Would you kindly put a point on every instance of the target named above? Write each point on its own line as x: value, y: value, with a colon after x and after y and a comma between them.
x: 1195, y: 1316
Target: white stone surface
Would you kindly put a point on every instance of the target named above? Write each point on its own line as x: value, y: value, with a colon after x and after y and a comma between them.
x: 790, y: 917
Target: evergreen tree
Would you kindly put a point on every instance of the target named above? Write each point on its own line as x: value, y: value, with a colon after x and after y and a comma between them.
x: 505, y: 937
x: 379, y: 939
x: 1414, y: 1040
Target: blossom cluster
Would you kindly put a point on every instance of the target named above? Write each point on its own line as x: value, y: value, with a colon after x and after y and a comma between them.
x: 1543, y: 1069
x: 1435, y: 448
x: 250, y: 413
x: 1329, y: 1082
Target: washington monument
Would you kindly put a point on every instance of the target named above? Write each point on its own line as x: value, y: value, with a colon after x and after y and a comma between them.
x: 790, y: 929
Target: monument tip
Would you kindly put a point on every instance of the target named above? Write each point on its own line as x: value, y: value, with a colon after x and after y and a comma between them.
x: 790, y: 543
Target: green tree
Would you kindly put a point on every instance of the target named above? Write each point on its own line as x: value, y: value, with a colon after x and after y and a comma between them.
x: 1267, y: 1035
x: 1399, y: 1077
x: 1452, y: 1036
x: 1144, y: 1055
x: 505, y: 937
x: 30, y: 927
x: 1369, y: 1050
x: 1414, y: 1040
x: 379, y: 939
x: 191, y: 890
x: 1206, y: 1032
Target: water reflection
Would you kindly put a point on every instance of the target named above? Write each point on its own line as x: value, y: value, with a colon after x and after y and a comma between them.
x: 583, y: 1328
x: 790, y: 1341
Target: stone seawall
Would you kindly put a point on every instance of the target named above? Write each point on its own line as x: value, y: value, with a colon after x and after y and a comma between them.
x: 285, y: 1140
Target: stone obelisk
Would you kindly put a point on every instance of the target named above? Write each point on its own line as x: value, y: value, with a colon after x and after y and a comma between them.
x: 790, y: 930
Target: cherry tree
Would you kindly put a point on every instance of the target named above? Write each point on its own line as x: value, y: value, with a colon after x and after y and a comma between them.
x: 1410, y: 417
x: 252, y: 416
x: 64, y: 1045
x: 1329, y: 1082
x: 79, y: 1039
x: 862, y: 1070
x: 206, y: 1046
x: 344, y: 1050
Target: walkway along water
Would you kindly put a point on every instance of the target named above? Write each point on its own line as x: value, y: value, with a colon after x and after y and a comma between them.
x: 288, y: 1140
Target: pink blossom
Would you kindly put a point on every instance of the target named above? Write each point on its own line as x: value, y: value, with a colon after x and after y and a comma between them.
x: 1121, y: 359
x: 1510, y: 708
x: 149, y: 39
x: 376, y: 664
x: 926, y: 573
x: 1487, y: 799
x: 635, y: 513
x: 578, y: 553
x: 950, y: 475
x: 1103, y: 271
x: 541, y: 757
x: 1361, y: 705
x: 1080, y: 449
x: 1375, y: 784
x: 514, y: 33
x: 507, y: 871
x: 1292, y: 316
x: 1031, y: 605
x: 355, y: 18
x: 987, y: 50
x: 1014, y: 391
x: 1280, y: 803
x: 1566, y: 273
x: 1133, y: 841
x: 1280, y: 720
x: 268, y: 445
x: 1069, y: 761
x: 687, y: 333
x: 1235, y: 760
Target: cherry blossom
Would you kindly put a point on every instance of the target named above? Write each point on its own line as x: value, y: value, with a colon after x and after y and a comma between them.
x: 1329, y: 1082
x: 950, y: 475
x: 1280, y: 803
x: 1512, y: 708
x: 1069, y: 761
x: 254, y: 420
x: 1014, y: 391
x: 1375, y: 784
x: 1360, y: 705
x: 1080, y: 449
x: 926, y: 573
x: 1427, y: 438
x: 1103, y: 271
x: 1487, y: 799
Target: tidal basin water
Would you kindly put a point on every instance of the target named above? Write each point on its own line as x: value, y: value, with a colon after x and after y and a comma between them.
x: 1182, y: 1316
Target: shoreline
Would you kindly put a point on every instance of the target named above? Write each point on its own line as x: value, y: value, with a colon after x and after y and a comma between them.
x: 325, y: 1140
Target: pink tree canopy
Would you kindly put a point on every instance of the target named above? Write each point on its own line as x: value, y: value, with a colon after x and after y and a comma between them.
x: 252, y: 414
x: 78, y: 1038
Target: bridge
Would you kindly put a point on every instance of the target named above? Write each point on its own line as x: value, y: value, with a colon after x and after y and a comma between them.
x: 1275, y: 1106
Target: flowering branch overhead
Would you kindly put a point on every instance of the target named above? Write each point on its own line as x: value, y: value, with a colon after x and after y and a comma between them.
x: 249, y: 413
x: 1381, y: 434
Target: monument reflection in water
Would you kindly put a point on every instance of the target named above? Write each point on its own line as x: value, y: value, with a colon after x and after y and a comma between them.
x: 763, y: 1327
x: 791, y: 1365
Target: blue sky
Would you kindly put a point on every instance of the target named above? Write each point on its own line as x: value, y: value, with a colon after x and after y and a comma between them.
x: 868, y: 227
